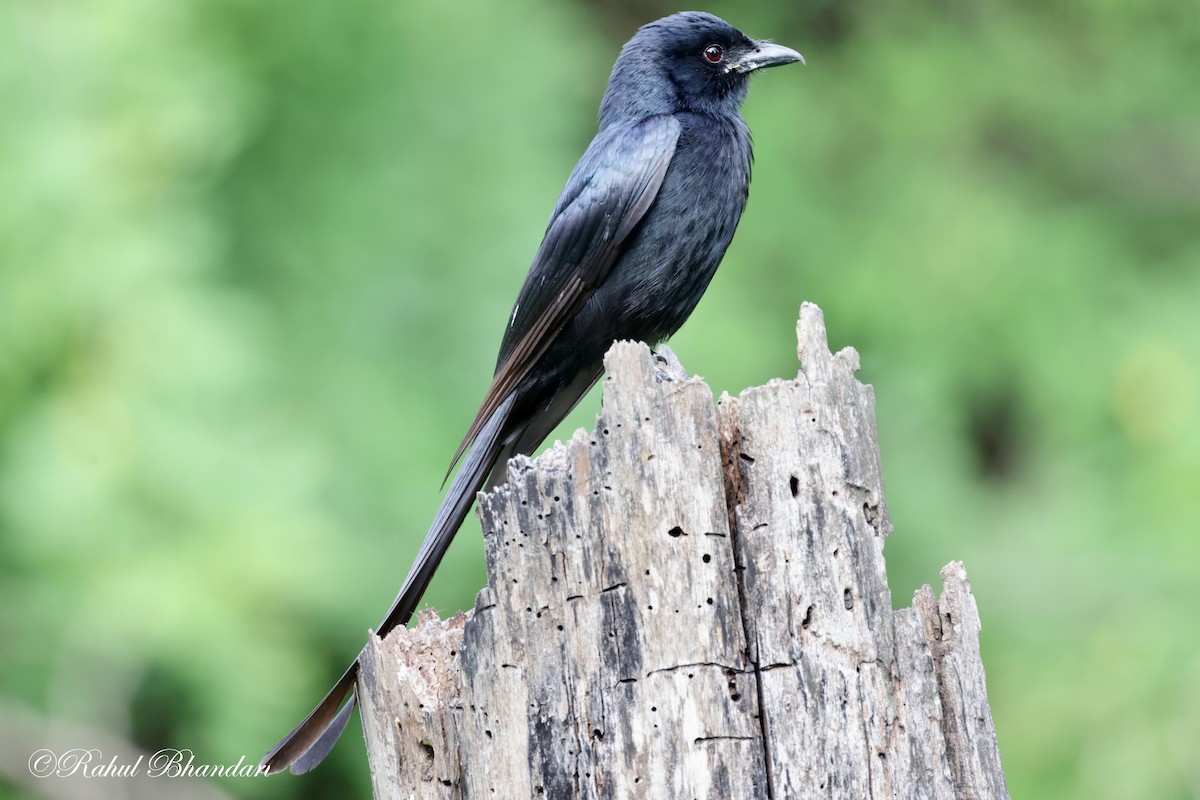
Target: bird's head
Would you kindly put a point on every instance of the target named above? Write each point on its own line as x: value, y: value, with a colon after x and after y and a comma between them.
x: 687, y: 61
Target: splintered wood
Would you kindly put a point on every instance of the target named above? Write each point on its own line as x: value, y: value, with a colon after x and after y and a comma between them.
x: 691, y: 601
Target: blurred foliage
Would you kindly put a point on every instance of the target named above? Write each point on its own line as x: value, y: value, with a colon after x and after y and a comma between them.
x: 255, y: 258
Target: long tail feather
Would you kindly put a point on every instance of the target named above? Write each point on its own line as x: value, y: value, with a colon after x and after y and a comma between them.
x: 301, y: 739
x: 310, y: 741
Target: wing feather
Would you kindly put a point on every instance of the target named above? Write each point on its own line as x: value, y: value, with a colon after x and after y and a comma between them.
x: 607, y: 195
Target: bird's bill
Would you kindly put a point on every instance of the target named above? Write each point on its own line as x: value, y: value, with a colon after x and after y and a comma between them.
x: 765, y: 54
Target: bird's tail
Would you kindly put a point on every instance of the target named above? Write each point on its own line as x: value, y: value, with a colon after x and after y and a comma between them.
x: 311, y: 740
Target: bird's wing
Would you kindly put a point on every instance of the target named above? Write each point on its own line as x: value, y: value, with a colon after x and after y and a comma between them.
x: 606, y: 196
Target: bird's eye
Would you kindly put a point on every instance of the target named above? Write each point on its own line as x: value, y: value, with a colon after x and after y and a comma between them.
x: 714, y: 53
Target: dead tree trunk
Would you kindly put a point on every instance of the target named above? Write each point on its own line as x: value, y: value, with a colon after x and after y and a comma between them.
x: 691, y: 602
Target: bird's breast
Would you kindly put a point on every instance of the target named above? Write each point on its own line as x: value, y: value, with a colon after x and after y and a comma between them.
x: 676, y: 250
x: 670, y: 257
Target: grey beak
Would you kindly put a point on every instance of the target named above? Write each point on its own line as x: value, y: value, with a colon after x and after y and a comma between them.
x: 766, y: 54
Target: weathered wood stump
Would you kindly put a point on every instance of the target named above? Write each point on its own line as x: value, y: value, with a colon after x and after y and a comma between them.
x: 690, y: 602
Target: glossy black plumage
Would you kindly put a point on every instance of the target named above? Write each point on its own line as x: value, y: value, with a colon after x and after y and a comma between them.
x: 632, y: 243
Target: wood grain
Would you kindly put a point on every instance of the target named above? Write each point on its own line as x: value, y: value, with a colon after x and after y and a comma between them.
x: 691, y: 601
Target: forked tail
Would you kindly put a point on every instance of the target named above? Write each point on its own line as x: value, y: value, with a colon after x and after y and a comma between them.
x: 311, y: 740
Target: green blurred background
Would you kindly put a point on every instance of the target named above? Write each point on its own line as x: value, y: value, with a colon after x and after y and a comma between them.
x: 255, y: 258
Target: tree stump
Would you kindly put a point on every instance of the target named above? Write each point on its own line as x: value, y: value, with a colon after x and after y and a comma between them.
x: 691, y: 602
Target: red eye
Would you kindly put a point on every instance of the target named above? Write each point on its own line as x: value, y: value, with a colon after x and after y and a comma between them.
x: 714, y: 53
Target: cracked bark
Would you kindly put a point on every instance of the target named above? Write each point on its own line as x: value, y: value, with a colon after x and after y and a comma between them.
x: 640, y: 574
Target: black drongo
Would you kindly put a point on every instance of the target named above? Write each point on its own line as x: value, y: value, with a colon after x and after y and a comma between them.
x: 631, y: 246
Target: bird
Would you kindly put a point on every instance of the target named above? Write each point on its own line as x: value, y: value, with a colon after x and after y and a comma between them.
x: 632, y: 243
